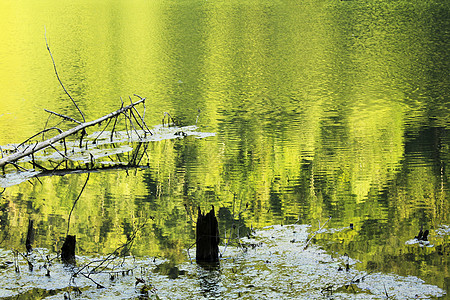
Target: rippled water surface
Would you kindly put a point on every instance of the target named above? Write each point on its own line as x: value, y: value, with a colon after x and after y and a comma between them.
x: 302, y: 109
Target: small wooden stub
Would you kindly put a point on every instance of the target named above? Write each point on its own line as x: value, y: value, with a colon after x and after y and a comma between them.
x: 68, y: 250
x: 30, y: 236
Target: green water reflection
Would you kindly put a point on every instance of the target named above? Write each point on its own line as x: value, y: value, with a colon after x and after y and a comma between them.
x: 320, y: 107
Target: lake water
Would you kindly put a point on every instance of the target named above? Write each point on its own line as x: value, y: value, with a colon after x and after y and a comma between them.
x: 315, y: 109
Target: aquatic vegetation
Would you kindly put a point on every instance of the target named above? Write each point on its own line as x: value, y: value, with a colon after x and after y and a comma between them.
x: 269, y: 264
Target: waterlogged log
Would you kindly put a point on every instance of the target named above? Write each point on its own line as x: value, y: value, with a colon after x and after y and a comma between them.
x: 68, y: 250
x: 47, y: 143
x: 207, y: 237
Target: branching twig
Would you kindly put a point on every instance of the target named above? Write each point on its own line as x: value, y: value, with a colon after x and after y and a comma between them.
x: 54, y: 148
x: 40, y: 132
x: 73, y: 206
x: 144, y: 152
x: 142, y: 117
x: 126, y: 128
x: 189, y: 255
x: 60, y: 82
x: 134, y: 154
x: 114, y: 126
x: 137, y: 121
x: 131, y: 123
x: 62, y: 116
x: 104, y: 263
x: 99, y: 286
x: 95, y: 140
x: 315, y: 233
x: 18, y: 167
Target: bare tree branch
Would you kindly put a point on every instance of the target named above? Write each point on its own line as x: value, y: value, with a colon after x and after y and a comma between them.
x: 20, y: 154
x: 57, y: 76
x: 62, y: 116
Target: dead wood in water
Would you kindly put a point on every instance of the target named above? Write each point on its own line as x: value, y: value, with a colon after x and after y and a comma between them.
x: 30, y: 236
x: 49, y: 142
x: 89, y: 169
x: 68, y: 249
x: 130, y: 112
x: 207, y: 237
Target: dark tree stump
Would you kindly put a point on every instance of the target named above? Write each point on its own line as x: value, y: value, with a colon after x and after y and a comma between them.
x: 207, y: 237
x: 30, y: 236
x: 68, y: 250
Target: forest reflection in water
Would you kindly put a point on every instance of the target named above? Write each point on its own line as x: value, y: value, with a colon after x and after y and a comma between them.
x: 333, y: 109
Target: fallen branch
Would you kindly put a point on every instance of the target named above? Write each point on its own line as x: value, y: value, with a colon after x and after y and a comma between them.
x: 47, y: 143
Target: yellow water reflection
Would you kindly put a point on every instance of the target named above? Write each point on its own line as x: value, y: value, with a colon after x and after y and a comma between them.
x: 320, y: 108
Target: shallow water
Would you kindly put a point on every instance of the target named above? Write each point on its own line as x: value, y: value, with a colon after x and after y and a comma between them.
x: 310, y: 110
x: 271, y: 263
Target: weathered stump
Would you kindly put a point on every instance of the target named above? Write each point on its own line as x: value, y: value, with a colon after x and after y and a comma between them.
x: 207, y: 237
x: 30, y: 236
x: 68, y: 249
